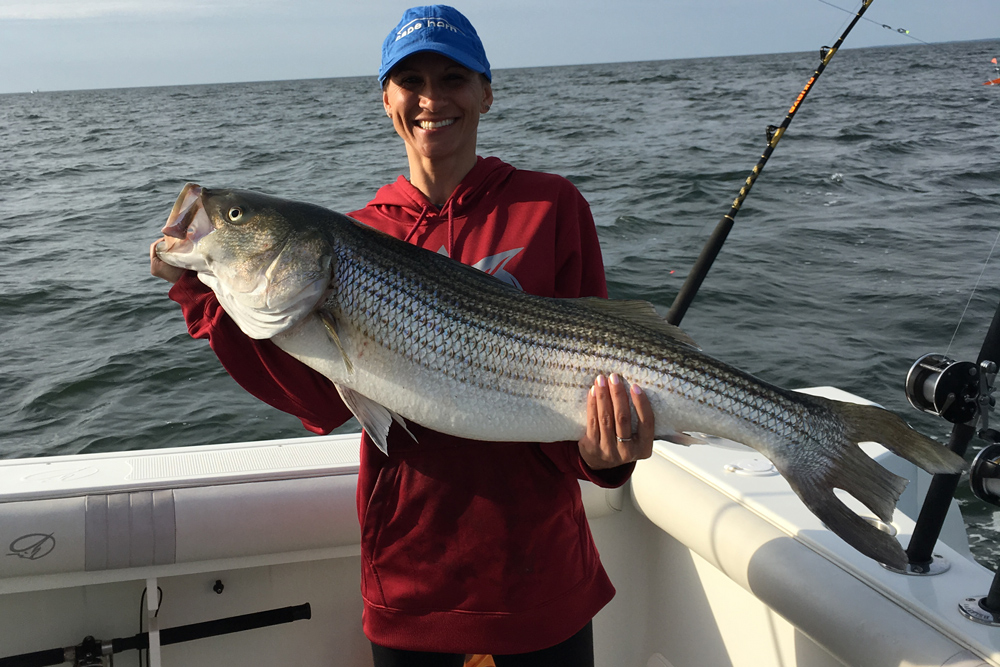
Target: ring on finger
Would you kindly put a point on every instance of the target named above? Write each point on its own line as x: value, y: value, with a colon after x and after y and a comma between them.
x: 628, y: 439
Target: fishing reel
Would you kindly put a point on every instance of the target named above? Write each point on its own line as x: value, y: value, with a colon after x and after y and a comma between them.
x: 962, y: 393
x: 91, y: 653
x: 984, y: 474
x: 957, y: 391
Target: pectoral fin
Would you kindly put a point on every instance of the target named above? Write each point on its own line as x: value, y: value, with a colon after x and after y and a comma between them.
x: 374, y: 418
x: 331, y: 329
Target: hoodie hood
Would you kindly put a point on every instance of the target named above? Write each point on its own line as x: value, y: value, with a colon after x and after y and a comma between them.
x: 400, y: 206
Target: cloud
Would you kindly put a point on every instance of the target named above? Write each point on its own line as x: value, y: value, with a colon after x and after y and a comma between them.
x: 49, y: 10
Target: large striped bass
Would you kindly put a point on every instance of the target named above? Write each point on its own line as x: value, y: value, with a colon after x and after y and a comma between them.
x: 407, y: 334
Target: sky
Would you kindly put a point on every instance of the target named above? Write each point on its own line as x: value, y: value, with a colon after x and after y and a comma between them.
x: 76, y: 44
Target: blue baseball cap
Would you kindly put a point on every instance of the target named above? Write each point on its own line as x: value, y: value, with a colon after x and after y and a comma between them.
x: 438, y: 28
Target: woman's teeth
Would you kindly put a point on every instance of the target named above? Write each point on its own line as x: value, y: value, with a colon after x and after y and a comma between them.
x: 434, y: 124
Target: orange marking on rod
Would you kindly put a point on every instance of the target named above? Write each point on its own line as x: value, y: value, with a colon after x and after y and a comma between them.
x: 798, y: 100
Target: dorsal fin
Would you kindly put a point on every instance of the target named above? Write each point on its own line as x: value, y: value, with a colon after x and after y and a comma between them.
x: 638, y: 312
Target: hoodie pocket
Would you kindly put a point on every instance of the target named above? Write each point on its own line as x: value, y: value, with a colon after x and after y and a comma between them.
x: 381, y: 505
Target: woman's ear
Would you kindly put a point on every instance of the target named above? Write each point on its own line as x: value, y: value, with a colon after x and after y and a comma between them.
x: 487, y: 98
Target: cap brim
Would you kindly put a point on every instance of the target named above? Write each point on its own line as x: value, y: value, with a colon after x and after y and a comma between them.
x: 452, y: 53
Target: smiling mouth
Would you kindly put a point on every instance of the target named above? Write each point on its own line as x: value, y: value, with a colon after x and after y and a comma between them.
x: 434, y: 124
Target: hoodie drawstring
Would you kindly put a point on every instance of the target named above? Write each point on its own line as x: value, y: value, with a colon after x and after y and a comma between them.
x: 451, y: 229
x: 423, y: 216
x: 420, y: 218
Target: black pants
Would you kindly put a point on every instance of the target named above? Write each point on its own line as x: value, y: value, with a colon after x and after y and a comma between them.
x: 577, y: 651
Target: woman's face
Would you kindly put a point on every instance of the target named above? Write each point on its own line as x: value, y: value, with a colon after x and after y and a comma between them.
x: 435, y: 105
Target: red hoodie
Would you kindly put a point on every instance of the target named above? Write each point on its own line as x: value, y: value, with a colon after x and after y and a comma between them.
x: 466, y: 546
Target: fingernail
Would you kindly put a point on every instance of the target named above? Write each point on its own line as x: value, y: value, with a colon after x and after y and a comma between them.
x: 615, y: 379
x: 592, y: 390
x: 637, y: 390
x: 601, y: 381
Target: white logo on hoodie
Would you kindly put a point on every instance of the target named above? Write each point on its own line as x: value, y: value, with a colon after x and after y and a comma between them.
x: 494, y: 264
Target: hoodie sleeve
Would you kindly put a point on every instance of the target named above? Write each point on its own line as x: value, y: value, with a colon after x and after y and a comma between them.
x: 259, y: 366
x: 566, y: 457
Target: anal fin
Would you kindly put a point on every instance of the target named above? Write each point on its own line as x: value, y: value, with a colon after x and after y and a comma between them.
x: 681, y: 438
x: 689, y: 438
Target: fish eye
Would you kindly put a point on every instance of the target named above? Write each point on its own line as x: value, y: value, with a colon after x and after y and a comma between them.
x: 235, y: 213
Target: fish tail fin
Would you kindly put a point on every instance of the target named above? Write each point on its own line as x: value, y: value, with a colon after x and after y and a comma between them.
x: 868, y: 482
x: 847, y: 467
x: 870, y: 423
x: 877, y: 488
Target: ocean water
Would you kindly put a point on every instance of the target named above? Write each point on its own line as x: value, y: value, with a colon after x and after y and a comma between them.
x: 863, y: 245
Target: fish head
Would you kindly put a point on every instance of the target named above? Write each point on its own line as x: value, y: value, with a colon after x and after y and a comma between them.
x: 268, y: 260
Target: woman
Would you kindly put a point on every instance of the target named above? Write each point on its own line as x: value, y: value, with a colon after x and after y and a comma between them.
x: 467, y: 546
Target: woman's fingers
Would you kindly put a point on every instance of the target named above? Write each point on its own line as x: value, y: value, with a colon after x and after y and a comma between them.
x: 622, y: 410
x: 161, y: 269
x: 610, y: 440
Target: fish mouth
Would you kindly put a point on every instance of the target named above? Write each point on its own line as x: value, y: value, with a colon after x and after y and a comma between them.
x: 186, y: 225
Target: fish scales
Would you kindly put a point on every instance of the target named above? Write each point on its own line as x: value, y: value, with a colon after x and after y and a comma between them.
x: 406, y: 333
x: 526, y: 355
x: 442, y: 311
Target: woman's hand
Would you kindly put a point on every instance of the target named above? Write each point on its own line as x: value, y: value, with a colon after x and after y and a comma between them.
x: 161, y: 269
x: 609, y: 441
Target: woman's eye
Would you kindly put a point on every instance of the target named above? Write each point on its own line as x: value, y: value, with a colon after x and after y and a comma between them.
x: 235, y: 213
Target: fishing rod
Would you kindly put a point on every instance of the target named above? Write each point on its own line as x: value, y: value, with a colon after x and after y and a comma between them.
x: 901, y: 31
x: 90, y: 652
x: 711, y: 250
